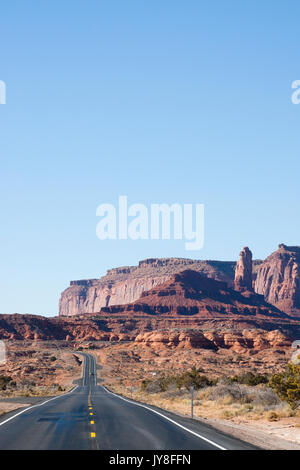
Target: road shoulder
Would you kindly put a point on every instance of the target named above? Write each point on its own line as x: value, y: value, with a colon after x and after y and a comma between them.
x: 246, y: 433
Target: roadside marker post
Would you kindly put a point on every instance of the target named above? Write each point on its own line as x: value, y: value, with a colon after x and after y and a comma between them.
x: 2, y: 353
x: 192, y: 402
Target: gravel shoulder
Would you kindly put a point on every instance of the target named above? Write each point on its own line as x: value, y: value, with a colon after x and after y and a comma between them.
x: 7, y: 407
x: 281, y: 435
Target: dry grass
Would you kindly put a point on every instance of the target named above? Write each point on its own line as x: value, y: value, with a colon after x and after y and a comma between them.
x: 230, y: 402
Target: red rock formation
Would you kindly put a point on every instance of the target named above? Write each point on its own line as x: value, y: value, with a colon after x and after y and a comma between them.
x: 126, y: 284
x: 243, y: 271
x: 157, y: 332
x: 235, y: 340
x: 187, y: 301
x: 190, y: 293
x: 278, y: 279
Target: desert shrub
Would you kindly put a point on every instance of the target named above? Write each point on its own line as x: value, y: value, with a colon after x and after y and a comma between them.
x: 150, y: 386
x: 195, y: 379
x: 244, y: 394
x: 4, y: 381
x: 52, y: 358
x: 272, y: 416
x: 165, y: 382
x: 249, y: 379
x: 185, y: 380
x: 265, y: 397
x: 230, y: 393
x: 287, y: 385
x: 144, y: 384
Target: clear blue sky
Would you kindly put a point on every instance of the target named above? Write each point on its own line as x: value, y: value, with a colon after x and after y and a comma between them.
x: 163, y: 101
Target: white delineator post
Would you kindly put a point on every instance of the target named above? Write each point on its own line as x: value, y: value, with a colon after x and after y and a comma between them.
x: 192, y: 402
x: 2, y: 353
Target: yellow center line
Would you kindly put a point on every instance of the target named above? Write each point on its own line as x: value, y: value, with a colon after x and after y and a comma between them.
x: 91, y: 414
x: 93, y: 434
x: 92, y: 422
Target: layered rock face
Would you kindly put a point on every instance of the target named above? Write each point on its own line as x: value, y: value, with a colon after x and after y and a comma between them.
x: 243, y: 271
x: 188, y: 310
x: 126, y: 284
x: 237, y: 341
x: 190, y: 293
x: 186, y: 331
x: 278, y: 279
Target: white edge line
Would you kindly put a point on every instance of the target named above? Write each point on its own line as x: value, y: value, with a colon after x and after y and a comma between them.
x: 35, y: 406
x: 168, y: 419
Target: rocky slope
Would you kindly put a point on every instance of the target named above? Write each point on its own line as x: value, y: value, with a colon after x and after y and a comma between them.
x: 237, y: 341
x: 178, y: 331
x: 38, y: 368
x: 191, y: 293
x: 276, y: 278
x: 126, y: 284
x: 186, y: 301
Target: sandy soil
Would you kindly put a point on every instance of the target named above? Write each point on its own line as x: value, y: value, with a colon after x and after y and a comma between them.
x: 282, y: 435
x: 39, y: 368
x: 7, y: 407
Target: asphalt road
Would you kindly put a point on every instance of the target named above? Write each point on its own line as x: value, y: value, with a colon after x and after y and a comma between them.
x: 91, y: 417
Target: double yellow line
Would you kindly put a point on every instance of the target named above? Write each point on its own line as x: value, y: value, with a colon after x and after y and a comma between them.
x: 92, y: 422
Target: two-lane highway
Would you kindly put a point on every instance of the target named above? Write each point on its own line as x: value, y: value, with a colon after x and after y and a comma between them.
x: 92, y: 417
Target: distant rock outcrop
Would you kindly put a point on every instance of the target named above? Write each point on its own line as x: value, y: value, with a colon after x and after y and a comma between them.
x: 203, y: 313
x: 243, y: 271
x: 278, y: 279
x: 237, y: 341
x: 190, y: 293
x: 126, y: 284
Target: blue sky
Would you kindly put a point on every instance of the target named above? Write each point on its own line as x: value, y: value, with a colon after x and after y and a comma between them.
x: 169, y: 101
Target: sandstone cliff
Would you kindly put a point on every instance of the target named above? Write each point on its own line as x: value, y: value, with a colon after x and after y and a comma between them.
x: 191, y: 293
x: 188, y: 300
x: 243, y: 271
x: 237, y: 341
x: 278, y: 279
x: 124, y: 285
